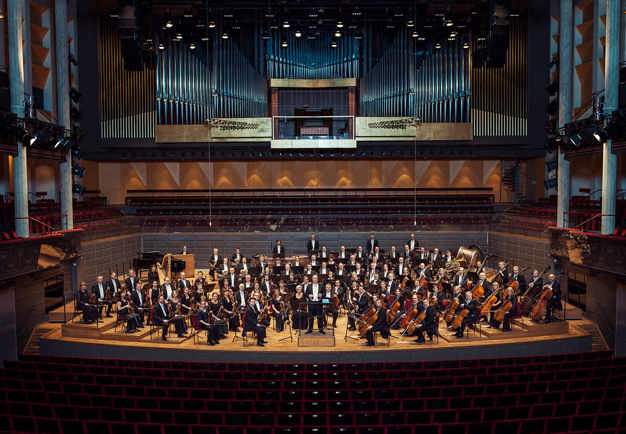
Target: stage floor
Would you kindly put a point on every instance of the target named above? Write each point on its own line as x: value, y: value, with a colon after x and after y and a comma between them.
x: 527, y: 338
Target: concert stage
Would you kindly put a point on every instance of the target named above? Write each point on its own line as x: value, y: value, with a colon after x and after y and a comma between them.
x: 81, y: 340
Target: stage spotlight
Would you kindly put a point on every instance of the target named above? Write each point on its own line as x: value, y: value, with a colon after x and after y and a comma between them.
x: 337, y: 34
x: 298, y: 34
x: 169, y: 24
x: 284, y: 44
x: 78, y: 171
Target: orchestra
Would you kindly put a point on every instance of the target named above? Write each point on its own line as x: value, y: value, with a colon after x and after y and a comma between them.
x: 407, y: 291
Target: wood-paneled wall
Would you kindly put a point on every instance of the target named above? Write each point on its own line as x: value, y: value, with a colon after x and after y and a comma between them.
x: 114, y: 179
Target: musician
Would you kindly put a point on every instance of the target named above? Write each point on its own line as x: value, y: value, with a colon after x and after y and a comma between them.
x: 436, y: 259
x: 265, y: 286
x: 509, y: 295
x: 380, y: 325
x: 205, y: 323
x: 312, y: 246
x: 161, y: 316
x: 229, y: 306
x: 555, y: 300
x: 422, y: 255
x: 535, y: 284
x: 515, y: 276
x: 401, y: 266
x: 252, y: 323
x: 231, y: 278
x: 359, y: 255
x: 243, y: 266
x: 215, y: 258
x: 223, y: 267
x: 183, y: 282
x: 113, y: 284
x: 324, y: 254
x: 324, y: 271
x: 236, y: 257
x: 138, y: 298
x: 153, y: 274
x: 343, y: 255
x: 154, y: 292
x: 200, y: 279
x: 482, y: 281
x: 167, y: 290
x: 407, y: 252
x: 215, y: 311
x: 131, y: 280
x: 429, y: 324
x: 459, y: 278
x: 87, y: 304
x: 375, y: 254
x: 412, y: 243
x: 278, y: 310
x: 177, y: 316
x: 313, y: 292
x: 279, y: 250
x: 241, y: 298
x: 502, y: 274
x: 393, y: 254
x: 126, y: 312
x: 331, y: 308
x: 103, y: 296
x: 448, y: 257
x: 471, y: 318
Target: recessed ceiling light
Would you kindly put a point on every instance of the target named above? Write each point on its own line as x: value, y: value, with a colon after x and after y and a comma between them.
x: 169, y: 24
x: 286, y: 24
x: 337, y: 34
x: 212, y: 24
x: 298, y: 34
x: 340, y: 24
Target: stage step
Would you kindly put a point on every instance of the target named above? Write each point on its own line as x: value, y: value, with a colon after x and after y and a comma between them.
x: 598, y: 342
x: 63, y: 315
x: 534, y: 328
x: 32, y: 346
x: 77, y: 329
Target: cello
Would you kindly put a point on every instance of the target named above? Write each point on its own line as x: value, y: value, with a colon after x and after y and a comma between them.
x: 449, y: 315
x: 542, y: 303
x: 367, y: 320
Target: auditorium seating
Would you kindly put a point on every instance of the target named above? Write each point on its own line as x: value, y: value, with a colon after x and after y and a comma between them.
x: 297, y: 209
x: 568, y: 393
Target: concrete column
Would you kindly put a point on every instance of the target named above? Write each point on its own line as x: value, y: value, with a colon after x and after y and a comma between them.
x: 611, y: 101
x: 15, y: 16
x: 63, y: 109
x: 566, y: 62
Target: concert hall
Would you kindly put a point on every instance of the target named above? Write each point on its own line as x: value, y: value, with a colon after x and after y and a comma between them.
x: 312, y: 217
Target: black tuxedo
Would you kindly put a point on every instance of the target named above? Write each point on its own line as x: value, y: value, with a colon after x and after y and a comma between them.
x: 252, y: 324
x: 371, y: 245
x: 113, y: 285
x: 139, y: 300
x: 415, y: 246
x: 131, y: 283
x: 521, y: 281
x: 164, y: 291
x: 100, y: 293
x: 379, y: 326
x: 315, y: 309
x: 184, y: 283
x: 312, y: 246
x: 429, y: 325
x: 160, y: 316
x: 278, y: 254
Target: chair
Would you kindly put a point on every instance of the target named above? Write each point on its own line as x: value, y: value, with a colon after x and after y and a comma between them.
x: 195, y: 323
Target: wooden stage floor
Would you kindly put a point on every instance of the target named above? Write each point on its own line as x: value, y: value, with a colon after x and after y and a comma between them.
x: 527, y: 338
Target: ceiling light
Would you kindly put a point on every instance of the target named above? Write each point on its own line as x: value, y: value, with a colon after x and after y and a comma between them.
x: 286, y: 24
x: 421, y: 38
x: 212, y: 24
x: 337, y: 34
x: 449, y: 23
x: 188, y: 14
x: 453, y: 34
x: 410, y: 23
x: 437, y: 45
x: 179, y: 36
x: 466, y: 45
x: 204, y: 38
x: 284, y: 44
x: 356, y: 12
x: 313, y: 14
x: 169, y: 24
x: 113, y: 15
x: 192, y: 46
x: 414, y: 34
x: 333, y: 44
x: 225, y: 35
x: 266, y: 35
x: 161, y: 47
x: 340, y: 24
x: 298, y: 34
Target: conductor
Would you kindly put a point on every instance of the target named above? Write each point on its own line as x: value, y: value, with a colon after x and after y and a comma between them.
x: 314, y: 294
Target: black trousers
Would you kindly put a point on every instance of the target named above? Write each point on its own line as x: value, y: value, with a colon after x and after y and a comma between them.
x: 103, y: 303
x: 316, y: 312
x: 429, y: 330
x: 260, y: 333
x: 334, y: 313
x: 384, y: 332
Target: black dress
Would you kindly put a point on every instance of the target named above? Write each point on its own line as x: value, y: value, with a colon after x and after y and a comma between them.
x: 299, y: 315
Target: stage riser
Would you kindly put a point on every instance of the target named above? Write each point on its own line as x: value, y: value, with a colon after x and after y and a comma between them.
x: 201, y: 244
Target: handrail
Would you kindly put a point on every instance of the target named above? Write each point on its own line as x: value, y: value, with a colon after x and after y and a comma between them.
x: 38, y: 221
x: 593, y: 217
